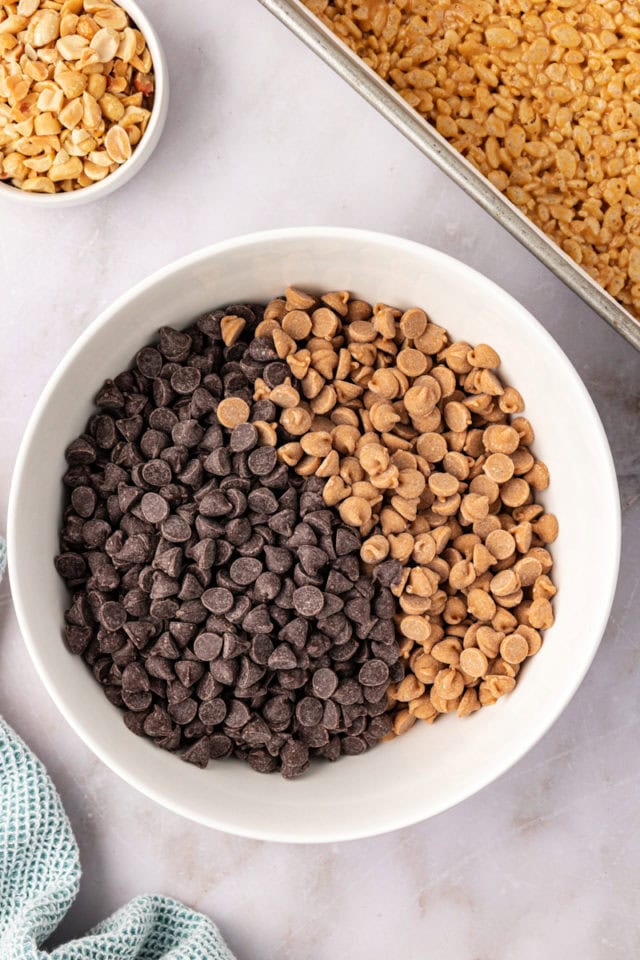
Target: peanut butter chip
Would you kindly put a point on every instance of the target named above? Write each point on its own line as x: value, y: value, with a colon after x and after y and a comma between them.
x: 449, y: 684
x: 297, y: 299
x: 296, y: 421
x: 361, y: 331
x: 515, y: 492
x: 473, y: 662
x: 500, y: 544
x: 417, y: 628
x: 355, y: 511
x: 409, y: 689
x: 284, y: 395
x: 540, y: 614
x: 498, y: 467
x: 457, y: 416
x: 411, y: 362
x: 500, y: 438
x: 317, y: 443
x: 483, y: 356
x: 514, y: 648
x: 504, y: 583
x: 232, y: 412
x: 324, y: 323
x: 231, y: 327
x: 426, y: 668
x: 413, y: 323
x: 297, y: 324
x: 432, y: 446
x: 481, y: 605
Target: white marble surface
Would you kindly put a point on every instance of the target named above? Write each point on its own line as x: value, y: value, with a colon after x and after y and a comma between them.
x: 545, y: 861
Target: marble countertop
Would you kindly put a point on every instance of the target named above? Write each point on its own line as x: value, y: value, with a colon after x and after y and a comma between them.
x: 546, y: 860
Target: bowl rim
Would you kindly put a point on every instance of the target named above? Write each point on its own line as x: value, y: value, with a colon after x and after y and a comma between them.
x: 391, y: 821
x: 141, y: 152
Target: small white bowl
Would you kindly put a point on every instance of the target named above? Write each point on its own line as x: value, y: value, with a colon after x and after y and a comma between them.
x: 141, y: 152
x: 431, y: 767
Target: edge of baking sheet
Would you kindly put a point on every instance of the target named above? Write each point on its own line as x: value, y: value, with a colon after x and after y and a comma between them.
x: 380, y: 95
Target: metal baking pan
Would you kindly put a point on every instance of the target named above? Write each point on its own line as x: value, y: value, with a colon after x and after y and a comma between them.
x: 381, y: 96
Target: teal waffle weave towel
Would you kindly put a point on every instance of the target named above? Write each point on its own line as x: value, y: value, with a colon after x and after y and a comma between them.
x: 40, y: 877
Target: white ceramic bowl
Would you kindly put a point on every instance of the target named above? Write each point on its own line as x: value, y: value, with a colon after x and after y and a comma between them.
x: 432, y: 767
x: 141, y: 152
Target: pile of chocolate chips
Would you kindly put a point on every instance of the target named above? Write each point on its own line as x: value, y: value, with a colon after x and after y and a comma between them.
x: 217, y: 600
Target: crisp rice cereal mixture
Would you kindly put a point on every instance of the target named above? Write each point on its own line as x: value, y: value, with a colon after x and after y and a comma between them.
x: 540, y: 95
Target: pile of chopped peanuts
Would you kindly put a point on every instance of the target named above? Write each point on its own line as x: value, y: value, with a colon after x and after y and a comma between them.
x: 76, y: 92
x: 426, y: 453
x: 540, y: 95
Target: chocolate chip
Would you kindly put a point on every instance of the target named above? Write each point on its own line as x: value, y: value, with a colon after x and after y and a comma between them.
x: 262, y: 461
x: 348, y: 692
x: 308, y: 601
x: 80, y: 451
x: 373, y: 673
x: 388, y: 573
x: 136, y: 700
x: 218, y: 463
x: 158, y: 723
x: 70, y: 566
x: 156, y: 473
x: 244, y: 437
x: 175, y: 530
x: 220, y: 746
x: 189, y: 672
x: 135, y: 677
x: 184, y: 711
x: 174, y: 345
x: 214, y: 504
x: 282, y: 658
x: 212, y: 712
x: 218, y: 600
x: 352, y: 746
x: 83, y: 500
x: 184, y: 380
x: 238, y: 715
x: 266, y: 587
x: 257, y: 620
x: 199, y: 753
x: 154, y: 508
x: 309, y: 712
x: 324, y: 683
x: 278, y: 559
x: 208, y: 646
x: 149, y: 362
x: 275, y: 373
x: 294, y: 754
x: 245, y: 571
x: 112, y: 615
x: 153, y: 442
x: 187, y: 433
x: 347, y: 542
x: 312, y: 559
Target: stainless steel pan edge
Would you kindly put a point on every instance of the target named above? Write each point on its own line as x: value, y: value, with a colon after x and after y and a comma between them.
x: 381, y: 96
